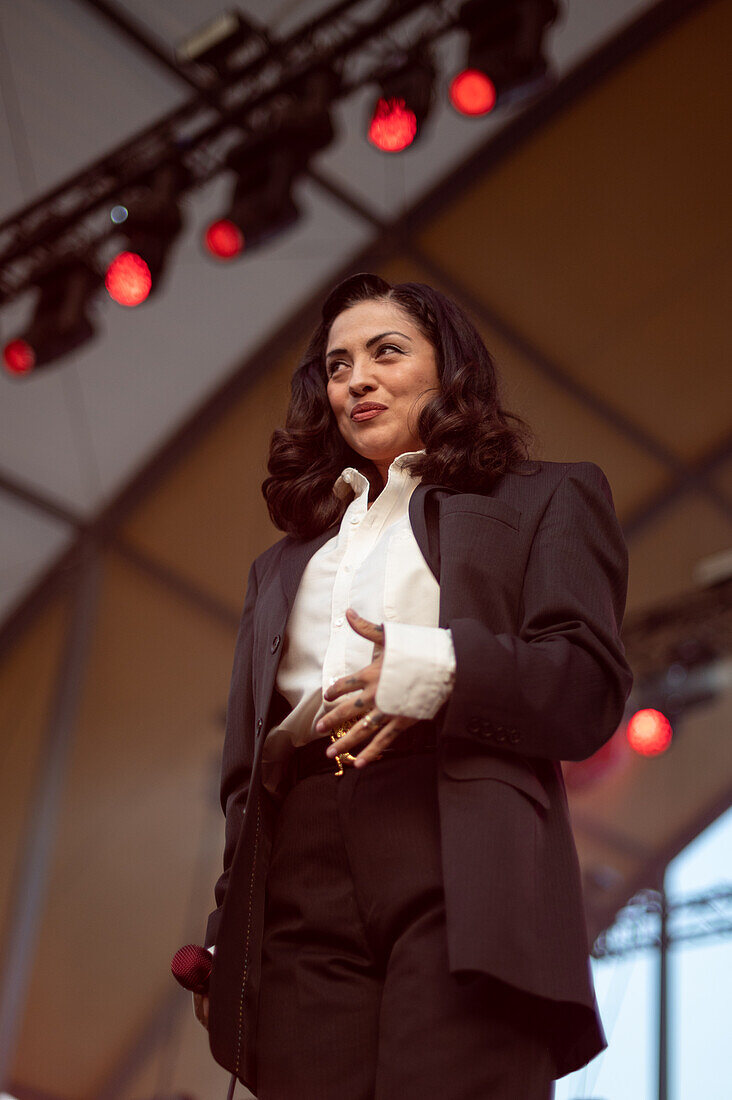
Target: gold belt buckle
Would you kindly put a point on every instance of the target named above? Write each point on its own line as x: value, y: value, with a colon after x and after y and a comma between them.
x: 342, y: 757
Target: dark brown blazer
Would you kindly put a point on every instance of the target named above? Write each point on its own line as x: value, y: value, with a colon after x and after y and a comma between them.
x: 533, y: 579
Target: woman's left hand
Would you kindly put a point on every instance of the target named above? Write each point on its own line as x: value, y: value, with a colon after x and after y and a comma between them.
x: 381, y: 728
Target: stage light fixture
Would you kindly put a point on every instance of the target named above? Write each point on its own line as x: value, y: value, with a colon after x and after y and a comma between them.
x: 267, y: 166
x: 404, y: 104
x: 472, y: 93
x: 262, y: 205
x: 18, y: 356
x: 60, y: 322
x: 128, y: 279
x: 153, y: 223
x: 649, y: 732
x: 218, y: 43
x: 695, y: 675
x: 505, y: 46
x: 223, y: 239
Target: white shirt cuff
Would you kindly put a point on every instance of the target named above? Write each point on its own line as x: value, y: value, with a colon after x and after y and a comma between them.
x: 417, y: 672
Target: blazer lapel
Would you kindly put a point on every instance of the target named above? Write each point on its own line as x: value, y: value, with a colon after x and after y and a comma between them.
x: 424, y: 518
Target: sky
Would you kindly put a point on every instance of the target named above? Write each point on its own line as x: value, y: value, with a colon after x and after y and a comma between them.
x: 700, y: 984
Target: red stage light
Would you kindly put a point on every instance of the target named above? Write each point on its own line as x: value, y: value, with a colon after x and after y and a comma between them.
x: 128, y: 279
x: 472, y: 93
x: 649, y: 732
x: 393, y: 126
x: 223, y: 239
x: 19, y: 357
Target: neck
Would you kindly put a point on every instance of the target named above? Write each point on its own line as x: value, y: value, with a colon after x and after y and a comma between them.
x: 382, y: 466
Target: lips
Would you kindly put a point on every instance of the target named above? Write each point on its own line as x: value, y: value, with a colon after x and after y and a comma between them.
x: 367, y: 410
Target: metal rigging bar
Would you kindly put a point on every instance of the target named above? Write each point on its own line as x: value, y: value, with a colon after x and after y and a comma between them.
x: 73, y: 217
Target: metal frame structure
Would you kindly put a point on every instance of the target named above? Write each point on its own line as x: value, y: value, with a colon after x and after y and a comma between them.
x: 391, y: 238
x: 73, y: 217
x: 648, y: 921
x: 217, y: 108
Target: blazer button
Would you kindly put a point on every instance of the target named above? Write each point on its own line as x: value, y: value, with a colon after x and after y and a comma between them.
x: 514, y: 736
x: 275, y: 643
x: 474, y: 725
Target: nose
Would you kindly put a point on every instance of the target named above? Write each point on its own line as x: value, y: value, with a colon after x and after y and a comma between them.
x: 362, y: 379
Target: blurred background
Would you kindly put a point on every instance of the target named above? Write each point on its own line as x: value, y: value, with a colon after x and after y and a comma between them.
x: 181, y: 185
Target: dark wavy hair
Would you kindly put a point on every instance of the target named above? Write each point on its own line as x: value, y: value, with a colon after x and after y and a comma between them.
x: 469, y: 439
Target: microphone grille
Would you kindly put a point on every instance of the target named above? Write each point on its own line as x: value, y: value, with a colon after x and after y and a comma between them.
x: 191, y: 966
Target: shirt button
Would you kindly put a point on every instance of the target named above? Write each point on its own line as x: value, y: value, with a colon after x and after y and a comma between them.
x: 339, y: 621
x: 353, y: 519
x: 275, y: 643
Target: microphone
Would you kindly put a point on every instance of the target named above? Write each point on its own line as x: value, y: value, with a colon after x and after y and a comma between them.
x: 191, y: 966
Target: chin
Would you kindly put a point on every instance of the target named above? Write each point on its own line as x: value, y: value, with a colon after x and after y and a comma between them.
x: 373, y: 450
x: 368, y: 443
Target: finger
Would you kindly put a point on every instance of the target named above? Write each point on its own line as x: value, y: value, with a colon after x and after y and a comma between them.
x: 383, y: 739
x: 373, y: 631
x: 345, y: 711
x: 200, y: 1008
x: 388, y: 733
x: 367, y: 726
x: 346, y: 684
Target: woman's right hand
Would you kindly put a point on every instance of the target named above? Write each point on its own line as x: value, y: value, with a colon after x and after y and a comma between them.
x: 200, y: 1008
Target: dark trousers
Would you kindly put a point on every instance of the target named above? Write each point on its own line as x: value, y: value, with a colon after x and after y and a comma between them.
x: 357, y: 1002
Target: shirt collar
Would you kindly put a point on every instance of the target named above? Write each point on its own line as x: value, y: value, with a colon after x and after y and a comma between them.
x: 353, y: 479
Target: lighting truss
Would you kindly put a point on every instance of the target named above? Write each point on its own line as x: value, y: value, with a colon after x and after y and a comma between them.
x: 74, y: 218
x: 638, y: 925
x: 692, y: 628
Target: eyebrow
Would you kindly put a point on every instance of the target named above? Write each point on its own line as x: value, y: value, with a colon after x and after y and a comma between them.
x: 344, y: 351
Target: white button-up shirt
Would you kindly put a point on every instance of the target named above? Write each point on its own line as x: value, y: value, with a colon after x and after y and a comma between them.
x: 375, y: 566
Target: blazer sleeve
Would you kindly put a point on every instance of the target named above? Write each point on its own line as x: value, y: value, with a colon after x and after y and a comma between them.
x: 238, y: 752
x: 558, y: 688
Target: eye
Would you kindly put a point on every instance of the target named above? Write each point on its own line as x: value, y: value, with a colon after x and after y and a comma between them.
x: 335, y: 366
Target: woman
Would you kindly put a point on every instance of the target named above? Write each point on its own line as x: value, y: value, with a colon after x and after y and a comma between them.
x: 400, y: 912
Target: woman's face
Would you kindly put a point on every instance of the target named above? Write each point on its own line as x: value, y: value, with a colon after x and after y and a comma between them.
x: 381, y: 370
